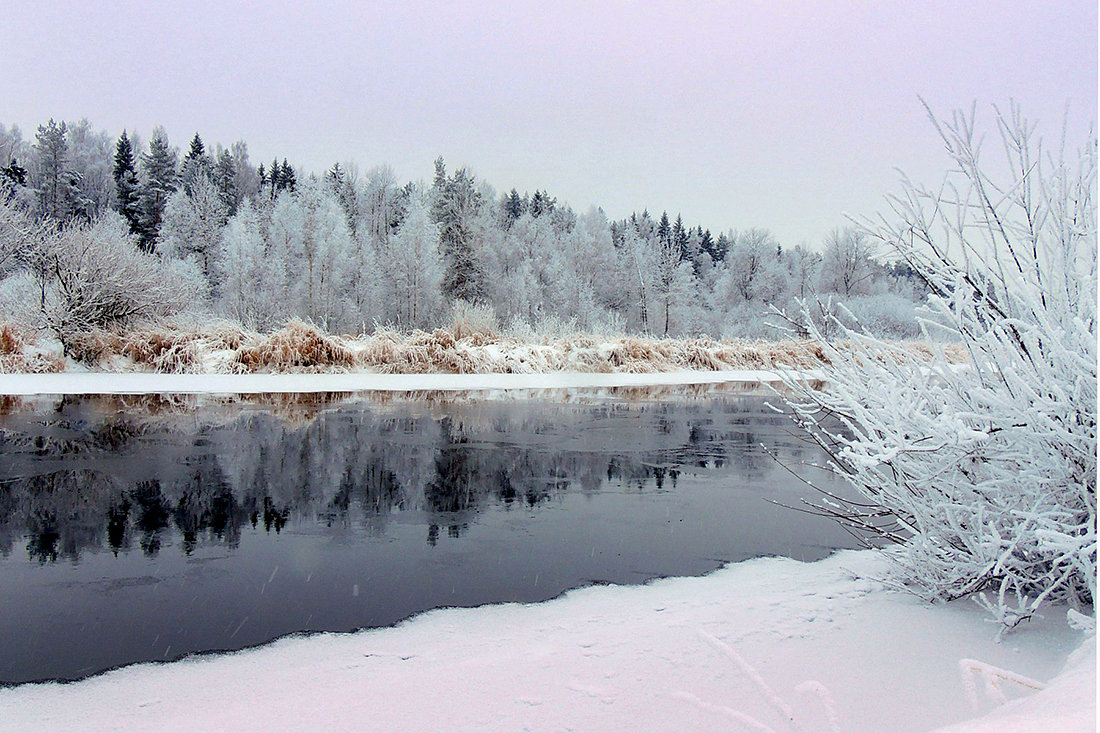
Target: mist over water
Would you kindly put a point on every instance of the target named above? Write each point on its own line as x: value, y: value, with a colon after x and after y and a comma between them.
x: 140, y: 530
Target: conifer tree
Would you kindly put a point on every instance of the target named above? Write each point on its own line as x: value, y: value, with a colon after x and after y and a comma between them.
x: 456, y: 205
x: 159, y: 166
x: 706, y: 242
x: 287, y: 178
x: 124, y: 173
x: 54, y: 186
x: 512, y: 207
x: 679, y: 235
x: 225, y: 181
x: 539, y: 204
x: 195, y: 165
x: 274, y: 178
x: 664, y: 230
x: 14, y: 174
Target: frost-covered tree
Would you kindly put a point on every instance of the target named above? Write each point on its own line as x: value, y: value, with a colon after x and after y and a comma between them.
x: 593, y: 270
x: 512, y: 207
x: 641, y: 267
x: 846, y: 265
x: 246, y: 272
x: 192, y: 226
x: 674, y: 277
x: 456, y: 209
x: 986, y: 474
x: 414, y: 269
x: 312, y: 243
x: 752, y: 267
x: 90, y: 152
x: 802, y: 266
x: 380, y: 205
x: 97, y: 278
x: 159, y: 181
x: 343, y: 188
x: 224, y: 177
x: 246, y: 179
x: 53, y: 183
x: 196, y: 165
x: 12, y: 145
x: 20, y: 235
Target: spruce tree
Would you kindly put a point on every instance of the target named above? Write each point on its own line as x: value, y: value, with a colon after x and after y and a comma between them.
x: 274, y: 177
x: 14, y: 174
x: 664, y: 230
x: 538, y: 205
x: 679, y: 234
x: 160, y: 182
x: 287, y: 178
x: 456, y: 204
x: 513, y: 207
x: 124, y: 173
x: 225, y: 181
x: 196, y: 164
x: 198, y: 149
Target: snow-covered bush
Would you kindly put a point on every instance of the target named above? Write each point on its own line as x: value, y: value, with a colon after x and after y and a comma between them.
x: 886, y: 314
x: 20, y: 297
x: 470, y: 319
x: 98, y: 278
x: 986, y: 474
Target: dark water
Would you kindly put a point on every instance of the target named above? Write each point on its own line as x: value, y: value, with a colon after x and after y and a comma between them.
x: 147, y: 529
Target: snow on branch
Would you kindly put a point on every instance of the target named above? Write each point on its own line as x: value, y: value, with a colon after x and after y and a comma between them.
x: 986, y: 471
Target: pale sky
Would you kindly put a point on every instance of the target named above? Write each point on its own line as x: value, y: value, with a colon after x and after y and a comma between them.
x: 737, y: 114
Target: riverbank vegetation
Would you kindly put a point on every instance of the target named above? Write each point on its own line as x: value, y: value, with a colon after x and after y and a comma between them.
x: 101, y: 233
x: 985, y: 476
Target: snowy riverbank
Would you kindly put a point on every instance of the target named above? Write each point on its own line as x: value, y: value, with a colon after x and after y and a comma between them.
x: 148, y: 383
x: 742, y: 648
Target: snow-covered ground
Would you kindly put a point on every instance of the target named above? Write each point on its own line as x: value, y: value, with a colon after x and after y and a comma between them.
x: 768, y: 644
x: 152, y: 383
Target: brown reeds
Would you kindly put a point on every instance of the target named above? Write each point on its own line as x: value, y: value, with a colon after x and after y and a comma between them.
x: 297, y: 346
x: 464, y: 348
x: 17, y: 357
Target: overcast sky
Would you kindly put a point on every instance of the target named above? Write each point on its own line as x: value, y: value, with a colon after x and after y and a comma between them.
x: 737, y: 114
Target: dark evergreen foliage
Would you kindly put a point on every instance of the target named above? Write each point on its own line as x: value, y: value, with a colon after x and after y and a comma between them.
x: 161, y: 179
x: 124, y: 173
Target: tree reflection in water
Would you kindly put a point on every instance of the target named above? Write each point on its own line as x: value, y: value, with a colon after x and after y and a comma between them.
x: 84, y: 478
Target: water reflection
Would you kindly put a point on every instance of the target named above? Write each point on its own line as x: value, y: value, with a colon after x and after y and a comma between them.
x: 148, y: 529
x: 80, y: 478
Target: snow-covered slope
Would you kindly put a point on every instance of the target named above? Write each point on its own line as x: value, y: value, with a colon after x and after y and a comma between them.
x: 769, y: 644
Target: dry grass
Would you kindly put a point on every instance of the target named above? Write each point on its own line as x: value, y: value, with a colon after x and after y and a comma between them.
x: 10, y: 340
x: 297, y: 346
x: 150, y: 349
x: 17, y: 356
x: 471, y: 345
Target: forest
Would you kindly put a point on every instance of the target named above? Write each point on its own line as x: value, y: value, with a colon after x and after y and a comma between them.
x: 99, y: 232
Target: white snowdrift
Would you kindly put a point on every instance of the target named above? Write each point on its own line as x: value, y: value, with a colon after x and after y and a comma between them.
x: 152, y: 383
x: 770, y: 644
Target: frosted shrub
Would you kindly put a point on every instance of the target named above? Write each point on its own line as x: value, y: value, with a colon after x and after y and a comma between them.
x: 885, y: 314
x: 985, y: 474
x: 469, y: 319
x: 20, y: 295
x: 97, y: 278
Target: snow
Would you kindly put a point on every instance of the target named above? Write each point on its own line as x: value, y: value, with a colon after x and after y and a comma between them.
x: 768, y: 644
x: 153, y: 383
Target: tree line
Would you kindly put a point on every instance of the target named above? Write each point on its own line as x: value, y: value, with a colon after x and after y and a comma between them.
x: 98, y: 231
